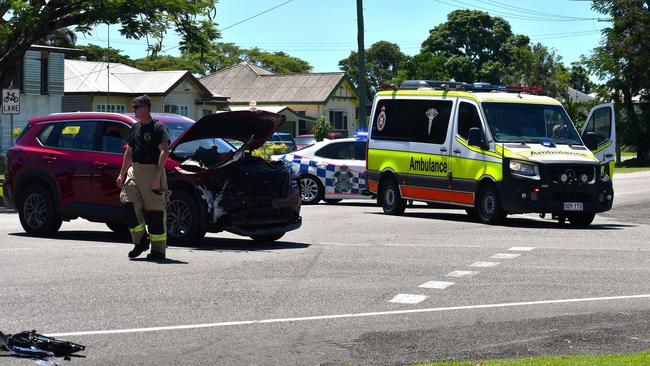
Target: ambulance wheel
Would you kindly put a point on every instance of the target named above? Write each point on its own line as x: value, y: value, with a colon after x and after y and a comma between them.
x: 37, y: 212
x: 488, y: 206
x: 332, y: 201
x: 183, y: 220
x: 266, y: 238
x: 391, y: 199
x: 311, y: 190
x: 581, y: 219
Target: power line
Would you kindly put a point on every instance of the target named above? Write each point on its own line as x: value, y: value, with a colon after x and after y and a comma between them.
x: 511, y: 15
x: 256, y: 15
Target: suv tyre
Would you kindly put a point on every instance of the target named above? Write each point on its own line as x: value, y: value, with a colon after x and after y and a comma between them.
x: 391, y: 199
x: 37, y: 212
x: 183, y: 220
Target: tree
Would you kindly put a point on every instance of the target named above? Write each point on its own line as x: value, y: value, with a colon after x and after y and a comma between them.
x: 101, y: 54
x: 278, y: 62
x: 384, y: 61
x: 426, y: 66
x: 579, y: 78
x: 63, y: 37
x: 622, y: 60
x: 538, y: 66
x: 322, y: 128
x: 167, y: 62
x: 23, y: 22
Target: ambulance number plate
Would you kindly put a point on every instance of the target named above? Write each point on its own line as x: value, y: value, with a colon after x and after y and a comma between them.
x: 573, y: 206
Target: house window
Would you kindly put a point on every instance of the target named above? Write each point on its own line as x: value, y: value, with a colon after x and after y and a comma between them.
x: 207, y: 112
x: 183, y: 110
x: 339, y: 119
x: 111, y: 108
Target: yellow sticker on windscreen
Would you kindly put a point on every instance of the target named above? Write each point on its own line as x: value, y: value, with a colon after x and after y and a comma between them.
x: 70, y: 130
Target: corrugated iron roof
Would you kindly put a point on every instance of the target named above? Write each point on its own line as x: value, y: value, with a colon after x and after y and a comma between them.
x: 245, y: 82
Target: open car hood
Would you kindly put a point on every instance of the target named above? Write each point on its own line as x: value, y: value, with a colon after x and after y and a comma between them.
x: 252, y: 127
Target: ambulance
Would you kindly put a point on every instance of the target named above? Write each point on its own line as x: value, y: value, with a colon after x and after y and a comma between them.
x: 493, y: 150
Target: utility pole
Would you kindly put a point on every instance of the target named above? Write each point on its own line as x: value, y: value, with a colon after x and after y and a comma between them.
x: 362, y: 66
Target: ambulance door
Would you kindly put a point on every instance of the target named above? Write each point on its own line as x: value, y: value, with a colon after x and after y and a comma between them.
x: 467, y: 162
x: 428, y: 161
x: 602, y: 121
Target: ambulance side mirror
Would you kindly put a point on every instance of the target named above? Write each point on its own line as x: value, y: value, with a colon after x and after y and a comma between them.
x: 476, y: 138
x: 591, y: 140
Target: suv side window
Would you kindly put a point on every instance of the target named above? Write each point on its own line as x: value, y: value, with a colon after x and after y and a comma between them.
x: 76, y: 135
x: 114, y: 136
x: 467, y: 118
x: 45, y: 134
x: 337, y: 150
x: 417, y: 120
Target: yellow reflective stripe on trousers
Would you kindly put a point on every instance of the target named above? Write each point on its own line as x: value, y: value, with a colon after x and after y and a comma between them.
x: 157, y: 237
x: 137, y: 229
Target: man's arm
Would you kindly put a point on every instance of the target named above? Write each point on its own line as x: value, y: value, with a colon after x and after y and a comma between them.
x: 126, y: 163
x: 160, y: 168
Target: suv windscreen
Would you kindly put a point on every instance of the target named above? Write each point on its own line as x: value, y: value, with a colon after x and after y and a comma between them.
x: 533, y: 123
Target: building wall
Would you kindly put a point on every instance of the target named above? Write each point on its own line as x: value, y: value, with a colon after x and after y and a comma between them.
x: 343, y: 105
x: 30, y: 106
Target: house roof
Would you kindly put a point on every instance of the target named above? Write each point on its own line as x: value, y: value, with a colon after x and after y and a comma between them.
x: 579, y: 96
x: 272, y: 108
x: 245, y: 82
x: 91, y: 77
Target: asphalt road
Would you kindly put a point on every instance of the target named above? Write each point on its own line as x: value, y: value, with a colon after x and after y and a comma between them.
x: 343, y: 289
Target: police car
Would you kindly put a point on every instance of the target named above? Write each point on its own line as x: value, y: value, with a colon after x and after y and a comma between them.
x: 331, y: 170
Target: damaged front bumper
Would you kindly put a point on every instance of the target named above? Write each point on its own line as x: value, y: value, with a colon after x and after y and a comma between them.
x: 260, y: 230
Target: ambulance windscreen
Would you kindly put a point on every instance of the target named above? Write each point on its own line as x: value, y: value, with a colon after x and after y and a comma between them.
x: 530, y: 123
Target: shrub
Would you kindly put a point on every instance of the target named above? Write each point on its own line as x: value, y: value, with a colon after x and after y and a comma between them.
x: 269, y: 149
x: 322, y: 128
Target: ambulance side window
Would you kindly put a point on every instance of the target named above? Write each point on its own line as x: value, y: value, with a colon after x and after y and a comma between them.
x: 467, y: 118
x: 417, y: 120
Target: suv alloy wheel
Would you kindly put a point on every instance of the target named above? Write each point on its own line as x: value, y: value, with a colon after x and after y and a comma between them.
x: 37, y: 212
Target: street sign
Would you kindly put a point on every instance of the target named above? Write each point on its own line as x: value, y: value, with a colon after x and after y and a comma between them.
x: 10, y: 101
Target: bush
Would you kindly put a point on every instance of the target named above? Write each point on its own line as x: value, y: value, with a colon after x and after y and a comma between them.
x: 269, y: 149
x: 322, y: 128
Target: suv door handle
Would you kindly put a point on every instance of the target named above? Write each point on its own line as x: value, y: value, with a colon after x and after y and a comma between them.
x: 100, y: 164
x: 607, y: 156
x: 443, y: 149
x: 49, y: 158
x: 456, y: 151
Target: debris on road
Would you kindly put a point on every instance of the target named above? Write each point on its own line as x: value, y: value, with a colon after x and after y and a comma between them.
x: 37, y: 346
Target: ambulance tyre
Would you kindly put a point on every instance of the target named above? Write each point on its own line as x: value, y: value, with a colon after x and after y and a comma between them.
x: 488, y: 206
x: 581, y: 219
x: 268, y: 238
x: 391, y: 199
x: 311, y: 190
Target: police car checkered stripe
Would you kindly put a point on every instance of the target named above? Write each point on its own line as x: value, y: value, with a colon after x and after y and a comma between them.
x: 327, y: 175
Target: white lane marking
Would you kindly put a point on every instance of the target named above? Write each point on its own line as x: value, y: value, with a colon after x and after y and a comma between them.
x: 505, y: 256
x: 354, y: 315
x: 484, y: 264
x: 395, y: 245
x: 636, y: 192
x: 10, y: 249
x: 522, y: 249
x: 437, y: 285
x: 461, y: 273
x: 408, y: 299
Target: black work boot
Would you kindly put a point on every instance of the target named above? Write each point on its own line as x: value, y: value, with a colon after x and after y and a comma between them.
x: 139, y: 248
x: 154, y: 256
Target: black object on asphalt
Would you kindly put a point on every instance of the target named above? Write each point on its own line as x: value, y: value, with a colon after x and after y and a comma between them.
x: 34, y: 345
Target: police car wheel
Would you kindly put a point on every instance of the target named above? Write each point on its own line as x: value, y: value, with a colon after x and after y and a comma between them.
x: 37, y: 212
x: 183, y: 220
x: 391, y: 199
x: 311, y: 190
x: 581, y: 220
x: 489, y: 209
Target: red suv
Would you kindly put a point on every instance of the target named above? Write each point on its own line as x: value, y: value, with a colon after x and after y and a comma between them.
x: 64, y: 166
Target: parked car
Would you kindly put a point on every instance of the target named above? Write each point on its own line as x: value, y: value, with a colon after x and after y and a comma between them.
x: 330, y: 170
x: 302, y: 141
x: 283, y: 138
x: 65, y: 165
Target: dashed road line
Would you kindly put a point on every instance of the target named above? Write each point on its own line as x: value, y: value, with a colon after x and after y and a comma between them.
x: 505, y: 256
x: 484, y: 264
x: 408, y: 298
x: 353, y: 315
x: 437, y: 285
x: 461, y: 273
x: 522, y: 249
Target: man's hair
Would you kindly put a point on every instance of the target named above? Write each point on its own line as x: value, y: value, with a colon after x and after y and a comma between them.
x: 142, y: 100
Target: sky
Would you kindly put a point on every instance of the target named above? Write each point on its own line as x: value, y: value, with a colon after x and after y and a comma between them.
x: 323, y: 32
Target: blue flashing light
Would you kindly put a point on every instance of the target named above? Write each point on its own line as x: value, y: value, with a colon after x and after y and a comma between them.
x: 548, y: 144
x: 361, y: 135
x: 479, y: 86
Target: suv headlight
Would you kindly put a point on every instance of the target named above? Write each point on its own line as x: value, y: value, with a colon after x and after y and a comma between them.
x: 524, y: 169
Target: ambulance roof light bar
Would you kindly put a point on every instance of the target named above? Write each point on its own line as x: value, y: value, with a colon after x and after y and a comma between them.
x: 456, y: 85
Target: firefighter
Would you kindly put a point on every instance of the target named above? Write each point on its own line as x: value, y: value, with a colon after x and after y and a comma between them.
x: 144, y: 183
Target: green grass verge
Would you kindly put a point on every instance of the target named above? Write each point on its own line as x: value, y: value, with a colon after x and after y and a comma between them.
x: 628, y: 153
x: 642, y: 358
x: 621, y: 170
